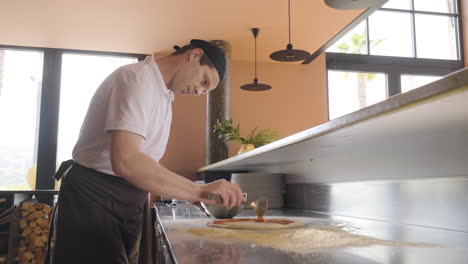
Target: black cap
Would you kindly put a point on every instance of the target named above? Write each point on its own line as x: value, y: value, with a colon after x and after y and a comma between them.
x: 214, y: 53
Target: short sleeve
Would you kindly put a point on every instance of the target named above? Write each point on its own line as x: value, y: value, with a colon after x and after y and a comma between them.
x: 129, y: 103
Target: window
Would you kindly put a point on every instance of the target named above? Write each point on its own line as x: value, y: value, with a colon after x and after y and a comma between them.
x: 398, y: 4
x: 430, y: 29
x: 20, y: 91
x: 442, y: 6
x: 35, y: 85
x: 436, y: 37
x: 409, y: 82
x: 420, y: 45
x: 81, y: 76
x: 390, y: 39
x: 350, y: 91
x: 354, y: 42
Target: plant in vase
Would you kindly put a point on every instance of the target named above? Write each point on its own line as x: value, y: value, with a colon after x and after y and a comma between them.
x: 225, y: 129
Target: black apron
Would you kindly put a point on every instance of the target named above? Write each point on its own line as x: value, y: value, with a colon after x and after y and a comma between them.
x: 97, y: 219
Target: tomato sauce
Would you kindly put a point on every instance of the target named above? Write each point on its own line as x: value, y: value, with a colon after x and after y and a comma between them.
x: 240, y: 220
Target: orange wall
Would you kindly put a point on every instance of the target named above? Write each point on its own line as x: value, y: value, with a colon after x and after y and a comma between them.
x: 185, y: 151
x: 105, y: 25
x: 296, y: 102
x: 464, y: 17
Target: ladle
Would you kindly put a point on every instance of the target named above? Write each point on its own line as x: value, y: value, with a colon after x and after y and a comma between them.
x: 260, y: 207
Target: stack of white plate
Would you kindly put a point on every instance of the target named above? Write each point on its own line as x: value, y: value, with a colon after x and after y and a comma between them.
x: 261, y: 185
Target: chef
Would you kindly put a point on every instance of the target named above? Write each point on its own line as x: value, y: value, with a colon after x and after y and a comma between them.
x: 98, y: 217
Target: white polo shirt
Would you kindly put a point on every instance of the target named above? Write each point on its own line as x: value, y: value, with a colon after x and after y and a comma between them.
x: 133, y: 98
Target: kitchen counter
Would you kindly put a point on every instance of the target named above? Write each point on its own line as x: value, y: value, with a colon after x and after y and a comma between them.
x: 188, y: 248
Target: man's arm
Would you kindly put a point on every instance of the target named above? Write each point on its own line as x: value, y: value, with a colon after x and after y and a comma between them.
x: 130, y: 163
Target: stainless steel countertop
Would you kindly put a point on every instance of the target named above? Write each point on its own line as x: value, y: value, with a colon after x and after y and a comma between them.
x: 192, y: 249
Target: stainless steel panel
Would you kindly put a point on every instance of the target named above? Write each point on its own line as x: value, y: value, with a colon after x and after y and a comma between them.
x: 436, y: 202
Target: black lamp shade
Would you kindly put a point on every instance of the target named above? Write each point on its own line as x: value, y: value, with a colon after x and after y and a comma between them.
x: 255, y: 86
x: 289, y: 54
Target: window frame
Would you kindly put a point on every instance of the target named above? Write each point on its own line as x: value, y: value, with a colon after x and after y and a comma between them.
x: 47, y: 137
x: 394, y: 67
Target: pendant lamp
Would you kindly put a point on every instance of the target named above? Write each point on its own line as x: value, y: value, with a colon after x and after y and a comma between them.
x: 289, y: 54
x: 354, y: 4
x: 255, y: 86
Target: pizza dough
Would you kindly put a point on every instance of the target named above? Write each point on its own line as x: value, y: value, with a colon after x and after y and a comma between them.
x: 300, y: 240
x: 251, y: 224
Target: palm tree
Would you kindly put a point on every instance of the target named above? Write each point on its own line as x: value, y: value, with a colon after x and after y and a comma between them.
x: 358, y: 44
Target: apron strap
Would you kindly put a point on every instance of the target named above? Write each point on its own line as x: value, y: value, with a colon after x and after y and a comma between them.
x: 63, y: 169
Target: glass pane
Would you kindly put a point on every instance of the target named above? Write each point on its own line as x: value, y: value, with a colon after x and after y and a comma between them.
x: 350, y: 91
x: 398, y: 4
x: 390, y: 39
x: 20, y: 86
x: 436, y: 37
x: 410, y: 82
x: 81, y: 76
x: 441, y: 6
x: 353, y: 42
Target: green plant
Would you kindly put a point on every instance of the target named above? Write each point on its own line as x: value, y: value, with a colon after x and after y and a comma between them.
x: 358, y: 45
x: 225, y: 129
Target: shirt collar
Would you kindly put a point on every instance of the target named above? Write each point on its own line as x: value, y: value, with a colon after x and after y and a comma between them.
x: 162, y: 88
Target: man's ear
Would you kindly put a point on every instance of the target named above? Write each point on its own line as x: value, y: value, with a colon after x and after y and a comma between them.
x: 195, y: 54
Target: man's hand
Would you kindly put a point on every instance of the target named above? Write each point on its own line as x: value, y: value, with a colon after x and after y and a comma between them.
x: 229, y: 192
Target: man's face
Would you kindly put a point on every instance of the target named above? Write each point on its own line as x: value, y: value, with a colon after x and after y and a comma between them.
x: 193, y: 78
